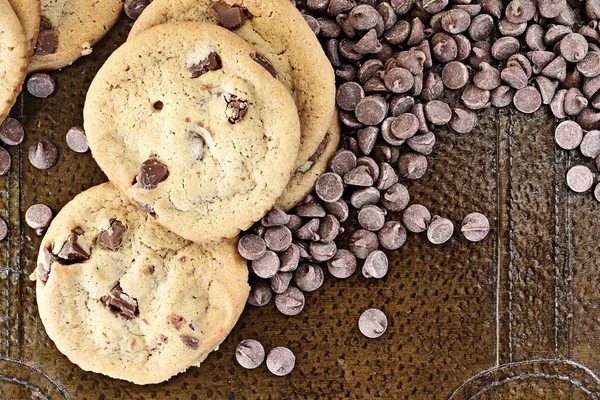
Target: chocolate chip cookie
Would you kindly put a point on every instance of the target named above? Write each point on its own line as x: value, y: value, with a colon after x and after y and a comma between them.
x: 69, y: 29
x: 304, y: 179
x: 13, y: 57
x: 287, y: 46
x: 28, y: 12
x: 122, y: 296
x: 185, y: 122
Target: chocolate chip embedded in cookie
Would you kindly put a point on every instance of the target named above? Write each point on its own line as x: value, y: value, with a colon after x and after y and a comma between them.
x: 210, y: 63
x: 231, y: 17
x: 151, y: 174
x: 119, y: 294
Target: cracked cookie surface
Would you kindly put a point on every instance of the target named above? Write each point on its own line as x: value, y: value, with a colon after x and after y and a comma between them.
x: 279, y: 32
x: 192, y: 129
x: 122, y: 296
x: 13, y: 58
x: 75, y: 26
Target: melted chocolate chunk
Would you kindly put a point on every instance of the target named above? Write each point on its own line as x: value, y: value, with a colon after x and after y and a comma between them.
x: 236, y: 108
x: 120, y: 301
x: 229, y: 17
x: 46, y: 42
x: 72, y: 252
x: 44, y: 268
x: 151, y: 174
x: 210, y: 63
x: 112, y: 237
x: 265, y: 63
x: 190, y: 341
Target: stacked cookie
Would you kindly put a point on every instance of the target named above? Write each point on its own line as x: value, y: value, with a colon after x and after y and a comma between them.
x: 202, y: 123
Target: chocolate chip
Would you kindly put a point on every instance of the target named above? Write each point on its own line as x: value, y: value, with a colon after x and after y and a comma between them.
x: 364, y: 196
x: 456, y: 21
x: 463, y: 47
x: 134, y: 8
x: 387, y: 178
x: 557, y: 104
x: 43, y: 154
x: 392, y: 236
x: 41, y: 85
x: 402, y: 7
x: 534, y: 37
x: 475, y: 98
x: 574, y: 102
x: 412, y: 165
x: 362, y: 243
x: 77, y: 140
x: 540, y: 60
x: 376, y: 265
x: 190, y: 341
x: 46, y: 42
x: 438, y: 112
x: 417, y: 32
x: 3, y: 229
x: 416, y: 218
x: 72, y: 251
x: 590, y: 145
x: 289, y: 259
x: 281, y: 360
x: 121, y: 302
x: 388, y: 15
x: 395, y: 198
x: 371, y: 110
x: 413, y: 60
x: 250, y: 354
x: 492, y: 7
x: 210, y: 63
x: 367, y: 138
x: 480, y: 52
x: 260, y: 293
x: 398, y: 33
x: 278, y: 238
x: 568, y: 135
x: 455, y: 75
x: 309, y: 231
x: 294, y: 222
x: 328, y: 229
x: 329, y: 187
x: 348, y: 95
x: 309, y: 208
x: 371, y: 217
x: 332, y: 52
x: 275, y: 217
x: 38, y: 217
x: 527, y: 100
x: 363, y: 17
x: 368, y: 44
x: 338, y: 209
x: 475, y: 227
x: 328, y: 28
x: 590, y: 65
x: 556, y: 69
x: 372, y: 323
x: 151, y: 174
x: 440, y: 230
x: 342, y: 162
x: 359, y: 176
x: 573, y: 47
x: 309, y: 277
x: 11, y: 132
x: 290, y: 302
x: 481, y: 27
x: 281, y: 281
x: 45, y: 267
x: 505, y: 47
x: 112, y: 237
x: 384, y: 153
x: 251, y: 247
x: 515, y: 77
x: 236, y: 108
x: 401, y: 128
x: 322, y: 251
x: 580, y: 179
x: 433, y: 87
x: 342, y: 265
x: 551, y: 8
x: 228, y: 16
x: 488, y: 78
x: 445, y: 48
x: 312, y: 23
x: 5, y: 161
x: 546, y: 87
x: 462, y: 121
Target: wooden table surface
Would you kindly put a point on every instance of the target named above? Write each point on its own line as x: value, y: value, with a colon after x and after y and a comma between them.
x: 516, y: 316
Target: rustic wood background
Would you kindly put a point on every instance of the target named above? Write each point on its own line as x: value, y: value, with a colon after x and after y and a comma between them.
x: 516, y: 316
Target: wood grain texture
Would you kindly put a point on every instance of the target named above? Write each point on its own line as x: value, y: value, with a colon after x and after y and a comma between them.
x: 515, y: 316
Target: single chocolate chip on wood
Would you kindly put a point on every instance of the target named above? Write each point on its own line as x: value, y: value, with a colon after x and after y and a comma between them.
x: 152, y: 172
x: 329, y: 187
x: 291, y: 302
x: 309, y: 277
x: 251, y: 247
x: 376, y: 265
x: 440, y: 230
x: 590, y: 145
x: 266, y: 266
x: 41, y: 85
x: 416, y: 218
x: 77, y: 140
x: 412, y: 165
x: 281, y: 361
x: 38, y: 217
x: 342, y: 265
x: 260, y: 293
x: 5, y: 161
x: 250, y: 354
x: 281, y: 281
x: 11, y: 132
x: 372, y: 323
x: 475, y: 227
x: 392, y: 236
x: 580, y: 179
x: 43, y: 154
x: 527, y: 100
x: 568, y: 135
x: 134, y: 8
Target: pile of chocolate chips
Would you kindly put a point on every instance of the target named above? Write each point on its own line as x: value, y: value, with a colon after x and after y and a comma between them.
x: 397, y: 64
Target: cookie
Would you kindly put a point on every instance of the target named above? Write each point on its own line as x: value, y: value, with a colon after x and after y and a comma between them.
x: 191, y: 128
x: 28, y: 12
x: 13, y: 58
x: 287, y: 44
x: 69, y: 29
x: 303, y: 181
x: 122, y: 296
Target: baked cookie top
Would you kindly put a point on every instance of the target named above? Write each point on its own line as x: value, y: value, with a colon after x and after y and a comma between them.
x: 70, y: 28
x: 187, y: 124
x: 279, y: 32
x: 13, y: 58
x: 124, y: 297
x: 28, y: 12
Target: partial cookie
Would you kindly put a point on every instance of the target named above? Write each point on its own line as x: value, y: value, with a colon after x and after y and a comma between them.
x: 13, y: 58
x: 69, y: 29
x: 28, y: 12
x: 303, y: 181
x: 279, y: 32
x: 188, y: 125
x: 122, y: 296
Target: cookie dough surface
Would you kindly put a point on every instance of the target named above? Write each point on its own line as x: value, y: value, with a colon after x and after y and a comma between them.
x: 28, y: 12
x: 278, y: 31
x: 208, y: 155
x: 78, y: 25
x: 122, y: 296
x: 13, y: 58
x: 303, y: 181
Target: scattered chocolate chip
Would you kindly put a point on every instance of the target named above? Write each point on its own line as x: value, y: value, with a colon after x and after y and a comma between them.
x: 278, y: 238
x: 455, y: 75
x: 456, y: 21
x: 11, y: 132
x: 290, y: 302
x: 328, y: 228
x: 120, y: 301
x: 392, y: 236
x: 580, y: 179
x: 527, y: 100
x: 481, y: 27
x: 309, y: 277
x: 250, y: 354
x: 342, y: 265
x: 359, y: 176
x: 362, y: 243
x: 5, y: 161
x: 348, y: 95
x: 309, y: 231
x: 151, y: 174
x: 376, y: 265
x: 590, y: 145
x: 77, y: 140
x: 260, y: 293
x: 281, y: 281
x: 210, y: 63
x: 573, y: 47
x: 228, y: 16
x: 412, y: 165
x: 438, y: 112
x: 568, y: 135
x: 338, y: 209
x: 43, y: 154
x: 266, y: 266
x: 574, y: 102
x: 112, y: 237
x: 371, y: 110
x: 505, y: 47
x: 444, y: 47
x: 396, y: 198
x: 289, y: 259
x: 440, y: 230
x: 41, y: 85
x: 281, y: 361
x: 416, y: 218
x: 329, y: 187
x: 190, y: 341
x: 462, y: 121
x: 275, y: 217
x: 322, y: 251
x: 309, y: 208
x: 546, y: 87
x: 475, y: 98
x: 371, y: 217
x: 372, y: 323
x: 38, y: 217
x: 475, y: 227
x: 590, y: 65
